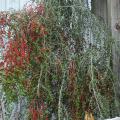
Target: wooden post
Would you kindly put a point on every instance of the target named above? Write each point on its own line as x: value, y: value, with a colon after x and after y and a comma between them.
x: 114, y: 16
x: 100, y: 9
x: 109, y: 12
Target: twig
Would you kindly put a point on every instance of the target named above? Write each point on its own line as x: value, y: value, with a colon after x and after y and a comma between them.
x: 60, y: 98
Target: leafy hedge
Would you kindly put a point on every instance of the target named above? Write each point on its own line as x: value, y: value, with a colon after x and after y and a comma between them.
x: 57, y: 55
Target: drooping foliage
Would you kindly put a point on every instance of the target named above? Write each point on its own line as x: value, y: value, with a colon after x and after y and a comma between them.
x: 57, y: 55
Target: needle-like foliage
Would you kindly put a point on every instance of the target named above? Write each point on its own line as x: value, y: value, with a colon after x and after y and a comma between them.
x: 58, y: 57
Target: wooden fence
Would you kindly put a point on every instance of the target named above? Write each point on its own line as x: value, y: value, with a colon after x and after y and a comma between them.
x: 109, y: 11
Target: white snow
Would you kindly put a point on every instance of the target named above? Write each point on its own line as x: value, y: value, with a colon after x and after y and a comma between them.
x: 117, y: 118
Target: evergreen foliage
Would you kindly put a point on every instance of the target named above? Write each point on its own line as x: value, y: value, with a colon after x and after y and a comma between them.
x: 66, y: 67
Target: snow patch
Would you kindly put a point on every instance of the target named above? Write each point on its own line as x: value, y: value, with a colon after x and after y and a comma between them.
x: 117, y: 118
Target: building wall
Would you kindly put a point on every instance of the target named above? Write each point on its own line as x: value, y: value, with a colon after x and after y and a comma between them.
x: 11, y: 4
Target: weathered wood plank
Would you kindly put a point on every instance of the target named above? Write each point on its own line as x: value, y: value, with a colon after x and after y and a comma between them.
x: 109, y: 12
x: 100, y: 9
x: 115, y: 19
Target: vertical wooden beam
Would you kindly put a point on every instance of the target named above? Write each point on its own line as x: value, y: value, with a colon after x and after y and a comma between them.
x: 114, y: 7
x: 100, y: 9
x: 109, y: 12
